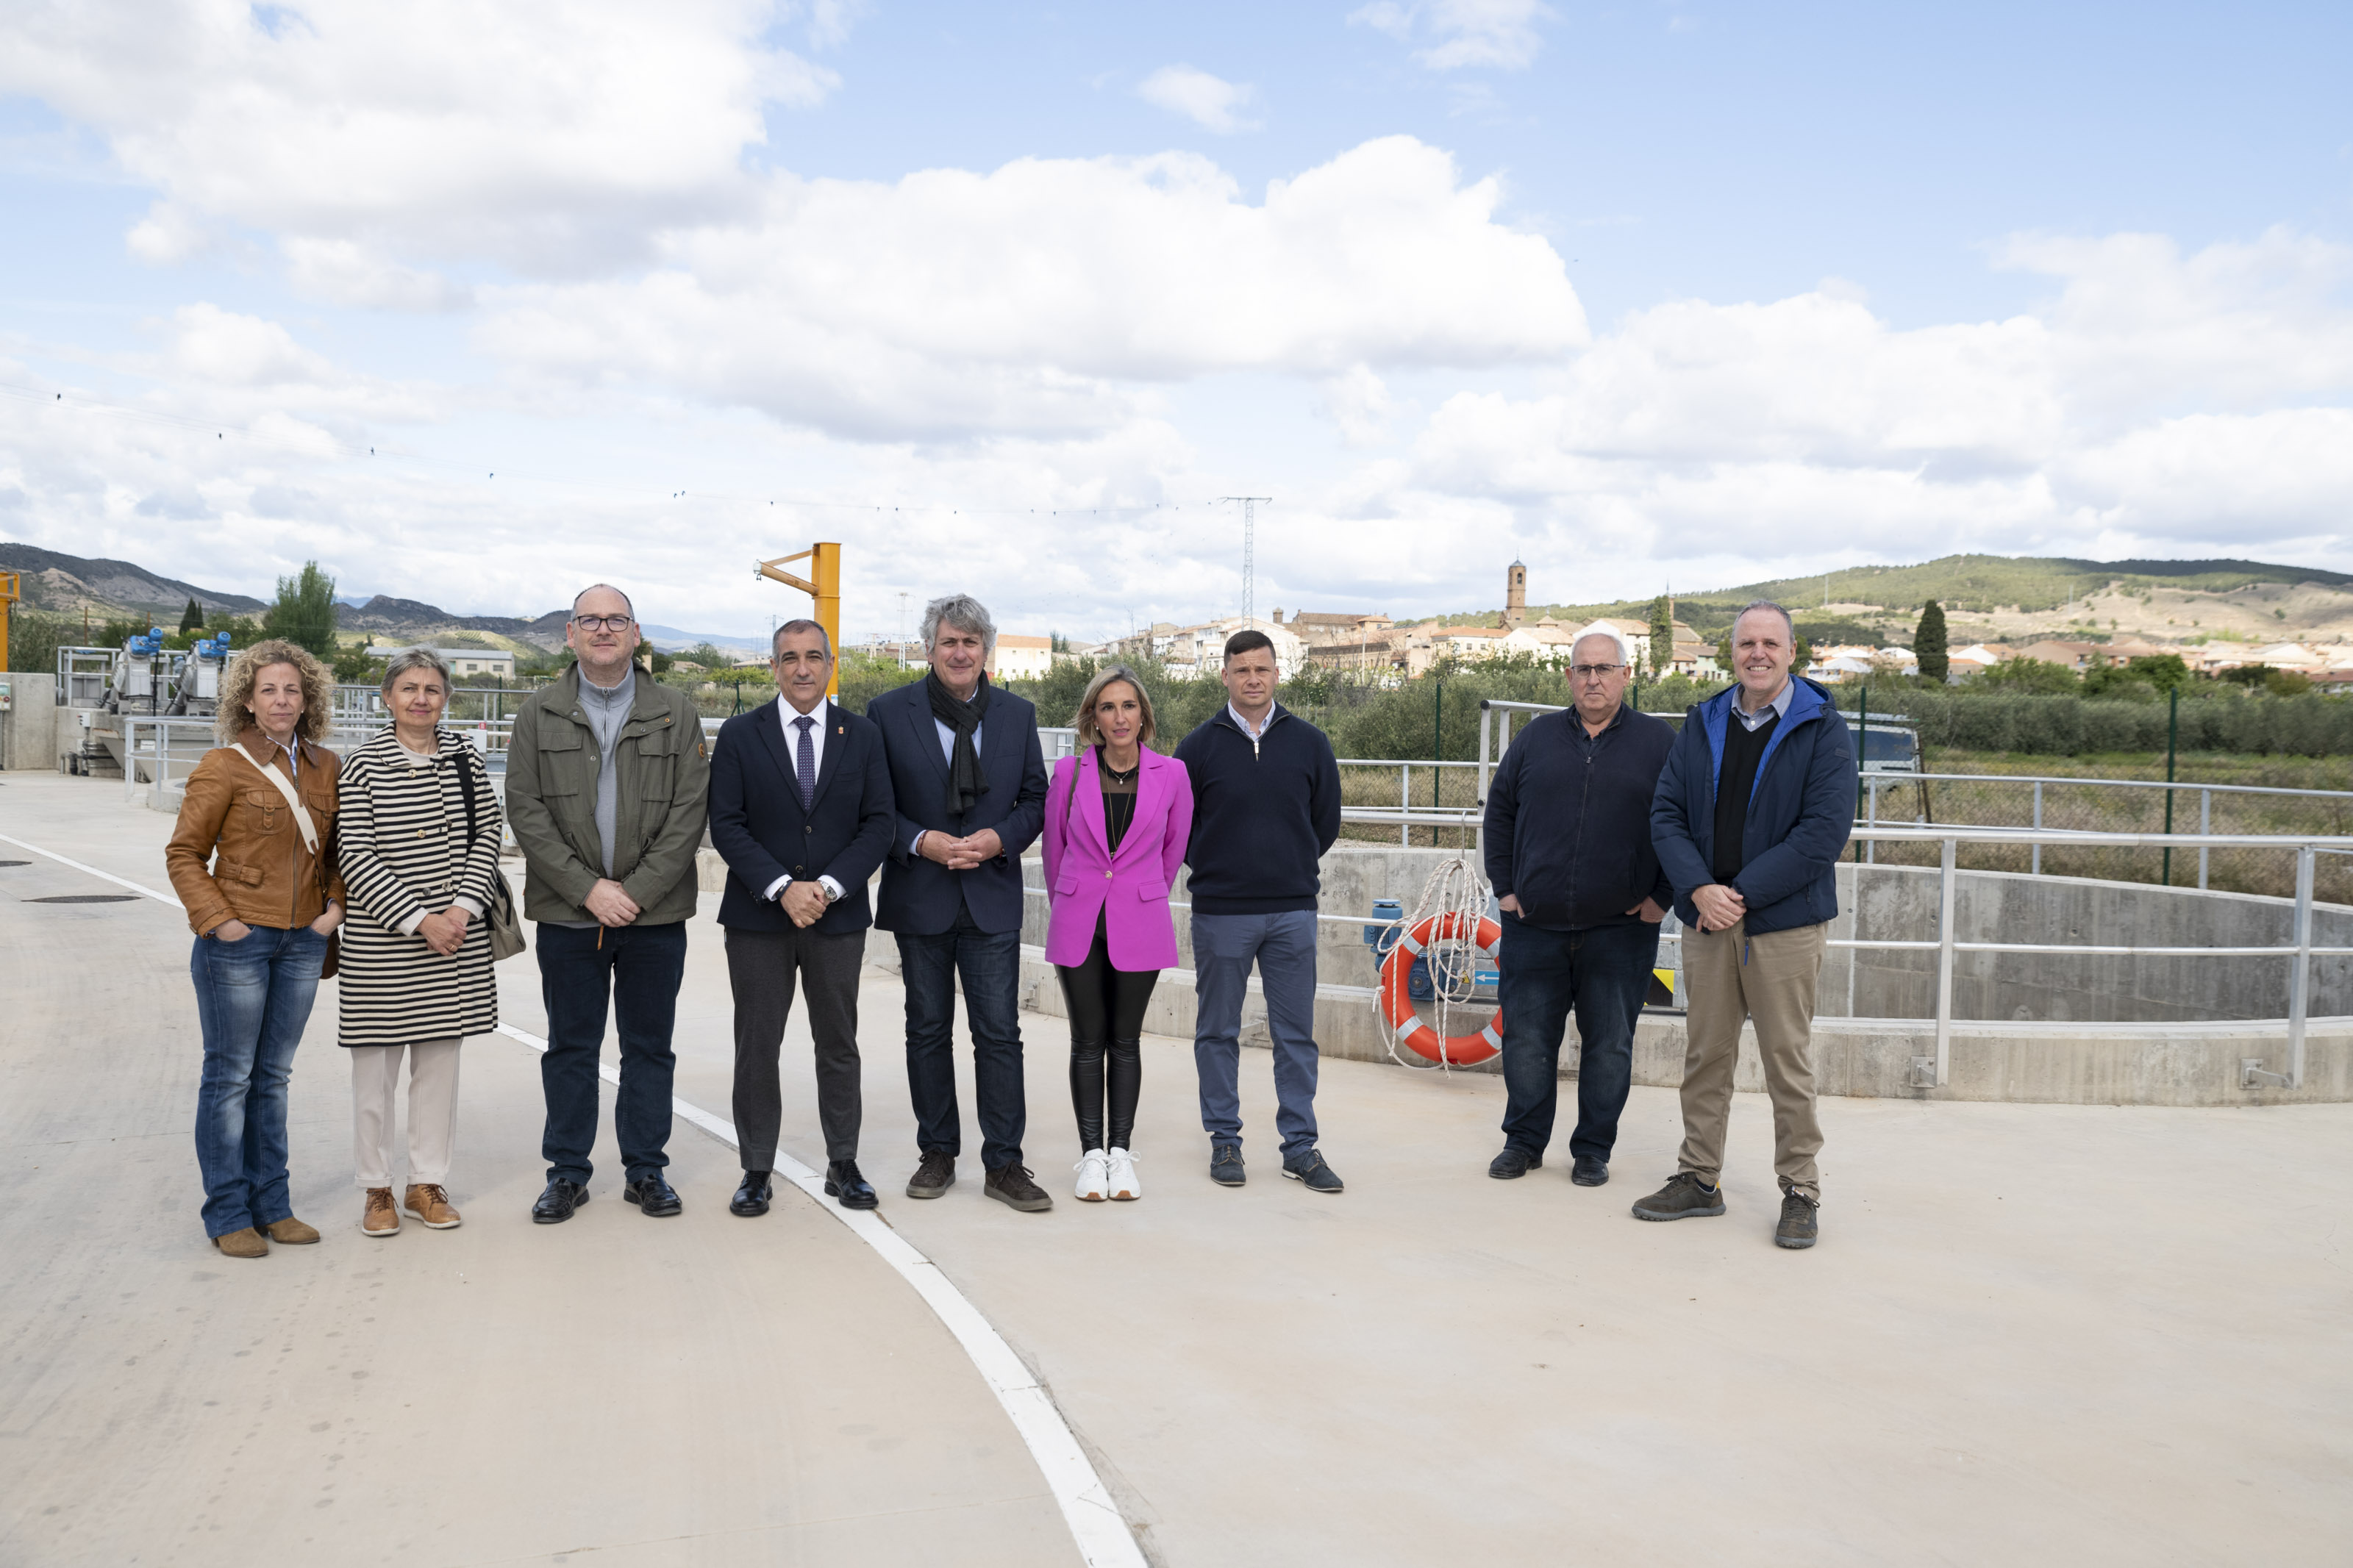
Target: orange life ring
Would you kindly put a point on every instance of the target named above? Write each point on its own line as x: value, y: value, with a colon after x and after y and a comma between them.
x: 1396, y: 1006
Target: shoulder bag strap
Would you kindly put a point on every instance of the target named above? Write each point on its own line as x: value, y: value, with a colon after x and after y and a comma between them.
x: 309, y: 829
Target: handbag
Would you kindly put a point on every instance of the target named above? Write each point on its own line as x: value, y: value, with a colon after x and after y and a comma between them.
x: 309, y: 831
x: 506, y: 929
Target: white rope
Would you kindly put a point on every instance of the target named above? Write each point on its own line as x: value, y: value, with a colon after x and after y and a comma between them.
x: 1455, y: 889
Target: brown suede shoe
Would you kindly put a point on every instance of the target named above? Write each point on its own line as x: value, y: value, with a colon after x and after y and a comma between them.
x: 381, y: 1218
x: 428, y: 1203
x: 246, y: 1243
x: 292, y: 1232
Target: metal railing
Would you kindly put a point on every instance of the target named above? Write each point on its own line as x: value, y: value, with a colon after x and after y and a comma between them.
x: 2033, y: 807
x: 1935, y: 1071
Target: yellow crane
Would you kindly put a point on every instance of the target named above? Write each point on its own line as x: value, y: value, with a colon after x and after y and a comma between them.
x: 12, y: 588
x: 825, y: 568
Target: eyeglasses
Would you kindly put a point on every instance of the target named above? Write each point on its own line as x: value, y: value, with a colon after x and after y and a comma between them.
x: 1592, y: 671
x: 602, y: 622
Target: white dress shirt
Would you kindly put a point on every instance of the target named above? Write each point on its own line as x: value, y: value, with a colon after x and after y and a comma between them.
x: 789, y: 717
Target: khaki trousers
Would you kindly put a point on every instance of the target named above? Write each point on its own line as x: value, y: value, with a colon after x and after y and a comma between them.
x: 432, y: 1109
x: 1769, y: 981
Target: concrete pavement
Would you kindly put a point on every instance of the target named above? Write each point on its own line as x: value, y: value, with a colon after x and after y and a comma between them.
x: 2054, y: 1334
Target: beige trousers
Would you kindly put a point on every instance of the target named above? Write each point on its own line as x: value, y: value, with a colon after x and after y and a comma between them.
x: 432, y: 1109
x: 1768, y: 981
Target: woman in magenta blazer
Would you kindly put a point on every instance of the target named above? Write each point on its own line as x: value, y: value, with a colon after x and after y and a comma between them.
x: 1117, y: 818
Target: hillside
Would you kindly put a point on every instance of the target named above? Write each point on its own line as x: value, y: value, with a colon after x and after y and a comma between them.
x: 66, y: 584
x: 2011, y: 598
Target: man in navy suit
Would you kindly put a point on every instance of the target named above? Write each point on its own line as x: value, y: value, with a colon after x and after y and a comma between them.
x: 970, y: 784
x: 801, y: 812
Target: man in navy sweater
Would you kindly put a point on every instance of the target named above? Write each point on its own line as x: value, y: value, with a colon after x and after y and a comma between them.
x: 1266, y: 806
x: 1753, y: 806
x: 1569, y: 853
x: 801, y: 811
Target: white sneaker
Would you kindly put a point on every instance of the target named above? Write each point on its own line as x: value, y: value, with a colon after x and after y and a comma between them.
x: 1091, y: 1173
x: 1120, y: 1177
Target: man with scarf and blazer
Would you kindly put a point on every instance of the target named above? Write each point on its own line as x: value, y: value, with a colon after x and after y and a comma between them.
x: 801, y: 812
x: 969, y: 783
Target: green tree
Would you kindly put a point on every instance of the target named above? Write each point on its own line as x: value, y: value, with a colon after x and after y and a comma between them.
x: 353, y: 666
x: 1928, y: 643
x: 1663, y: 637
x: 304, y: 614
x: 2028, y: 675
x: 192, y: 620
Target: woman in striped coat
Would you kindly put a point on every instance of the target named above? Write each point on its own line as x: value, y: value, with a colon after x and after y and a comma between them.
x: 415, y: 974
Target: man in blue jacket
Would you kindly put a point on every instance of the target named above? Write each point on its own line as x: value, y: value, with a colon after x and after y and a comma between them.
x: 1752, y: 809
x: 969, y: 783
x: 1266, y: 806
x: 801, y: 812
x: 1569, y: 853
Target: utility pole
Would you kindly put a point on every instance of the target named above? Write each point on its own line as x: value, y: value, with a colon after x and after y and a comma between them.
x: 903, y: 628
x: 1250, y: 553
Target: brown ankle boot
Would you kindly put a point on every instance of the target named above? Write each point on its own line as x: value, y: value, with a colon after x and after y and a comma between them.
x: 246, y: 1243
x: 380, y: 1218
x: 292, y: 1232
x: 428, y: 1203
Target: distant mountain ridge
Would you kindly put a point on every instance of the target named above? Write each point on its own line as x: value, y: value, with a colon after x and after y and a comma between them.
x: 119, y: 590
x: 111, y: 589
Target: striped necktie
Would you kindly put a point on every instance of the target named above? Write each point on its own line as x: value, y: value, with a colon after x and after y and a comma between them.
x: 805, y: 762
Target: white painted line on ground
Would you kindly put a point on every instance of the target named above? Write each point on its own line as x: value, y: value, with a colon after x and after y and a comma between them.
x: 1102, y: 1537
x: 101, y: 876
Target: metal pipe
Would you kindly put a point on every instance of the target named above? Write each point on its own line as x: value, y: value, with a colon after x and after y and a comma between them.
x: 2299, y: 988
x: 2037, y: 867
x: 1947, y: 880
x: 2205, y: 825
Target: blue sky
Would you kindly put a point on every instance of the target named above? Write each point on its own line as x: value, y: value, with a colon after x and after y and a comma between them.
x: 1644, y: 293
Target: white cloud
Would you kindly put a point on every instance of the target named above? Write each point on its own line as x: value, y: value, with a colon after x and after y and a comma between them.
x: 1454, y: 34
x: 2163, y: 403
x: 1040, y: 296
x: 550, y: 140
x: 1209, y: 101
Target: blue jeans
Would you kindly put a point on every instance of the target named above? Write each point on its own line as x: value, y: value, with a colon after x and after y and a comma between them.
x: 253, y: 998
x: 990, y: 962
x: 639, y: 968
x: 1604, y: 973
x: 1284, y: 948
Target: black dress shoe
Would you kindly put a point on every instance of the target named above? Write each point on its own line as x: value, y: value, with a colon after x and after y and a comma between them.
x: 557, y: 1204
x: 1588, y: 1172
x: 752, y: 1198
x: 653, y: 1195
x: 843, y: 1181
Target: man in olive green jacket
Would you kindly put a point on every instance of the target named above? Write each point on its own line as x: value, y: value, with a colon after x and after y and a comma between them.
x: 607, y: 780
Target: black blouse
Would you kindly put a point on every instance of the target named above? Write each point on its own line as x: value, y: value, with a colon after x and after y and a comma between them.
x: 1118, y: 798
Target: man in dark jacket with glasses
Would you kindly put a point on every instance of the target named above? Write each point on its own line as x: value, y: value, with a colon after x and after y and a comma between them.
x: 1569, y: 853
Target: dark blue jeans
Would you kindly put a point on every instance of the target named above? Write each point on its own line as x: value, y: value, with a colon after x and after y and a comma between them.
x: 253, y: 998
x: 1603, y: 974
x: 639, y: 968
x: 990, y: 962
x: 1284, y: 948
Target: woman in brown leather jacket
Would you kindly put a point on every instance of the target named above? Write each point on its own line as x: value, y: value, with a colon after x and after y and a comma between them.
x: 253, y: 860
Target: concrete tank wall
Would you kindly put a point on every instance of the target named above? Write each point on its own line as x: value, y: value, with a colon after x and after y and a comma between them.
x: 28, y: 730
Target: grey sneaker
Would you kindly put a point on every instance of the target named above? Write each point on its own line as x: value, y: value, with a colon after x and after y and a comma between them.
x: 1011, y: 1185
x: 1226, y: 1164
x: 1310, y: 1170
x: 1513, y: 1163
x: 935, y: 1175
x: 1798, y: 1226
x: 1683, y: 1197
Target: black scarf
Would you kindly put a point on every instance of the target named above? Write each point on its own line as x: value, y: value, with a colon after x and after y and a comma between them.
x: 965, y: 782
